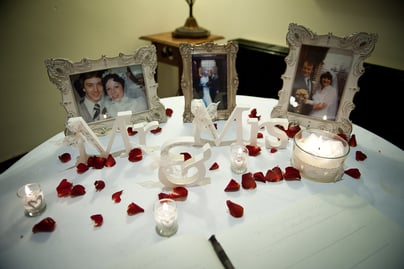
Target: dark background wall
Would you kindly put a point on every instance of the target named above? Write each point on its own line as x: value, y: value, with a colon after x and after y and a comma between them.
x: 378, y: 104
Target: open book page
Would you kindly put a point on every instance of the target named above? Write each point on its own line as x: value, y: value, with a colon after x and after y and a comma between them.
x: 180, y: 252
x: 334, y: 229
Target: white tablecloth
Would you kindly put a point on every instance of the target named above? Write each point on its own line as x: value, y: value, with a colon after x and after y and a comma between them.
x: 77, y: 244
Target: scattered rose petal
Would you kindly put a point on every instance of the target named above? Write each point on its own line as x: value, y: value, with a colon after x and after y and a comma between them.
x: 253, y: 114
x: 353, y: 172
x: 214, y: 166
x: 178, y: 193
x: 291, y: 173
x: 187, y: 156
x: 117, y: 196
x: 233, y: 185
x: 360, y: 156
x: 259, y: 176
x: 235, y: 210
x: 65, y: 157
x: 90, y: 161
x: 135, y: 155
x: 274, y: 174
x: 64, y: 188
x: 81, y: 168
x: 352, y: 141
x: 78, y: 190
x: 169, y: 112
x: 98, y: 162
x: 273, y: 150
x: 157, y: 130
x: 260, y: 135
x: 134, y: 209
x: 248, y: 181
x: 292, y: 130
x: 45, y: 225
x: 99, y: 185
x: 130, y: 131
x: 97, y: 219
x: 253, y: 150
x: 110, y: 161
x: 343, y: 136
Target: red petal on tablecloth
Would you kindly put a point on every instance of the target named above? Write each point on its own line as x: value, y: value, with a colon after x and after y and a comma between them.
x: 233, y: 185
x: 97, y: 219
x: 214, y: 166
x: 360, y: 156
x: 65, y: 157
x: 248, y: 181
x: 45, y: 225
x: 99, y: 185
x: 353, y: 172
x: 235, y: 210
x: 134, y: 209
x: 64, y: 188
x: 117, y: 196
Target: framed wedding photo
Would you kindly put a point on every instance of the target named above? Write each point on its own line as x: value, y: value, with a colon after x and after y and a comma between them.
x: 209, y: 73
x: 321, y: 78
x: 97, y: 90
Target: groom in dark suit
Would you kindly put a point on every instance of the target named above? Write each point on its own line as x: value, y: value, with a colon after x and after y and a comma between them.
x: 303, y: 80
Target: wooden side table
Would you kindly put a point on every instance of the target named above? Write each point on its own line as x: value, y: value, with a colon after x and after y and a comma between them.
x: 167, y: 49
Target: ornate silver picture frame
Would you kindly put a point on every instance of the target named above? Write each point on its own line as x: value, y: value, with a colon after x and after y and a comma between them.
x: 209, y: 73
x: 135, y: 74
x: 332, y: 66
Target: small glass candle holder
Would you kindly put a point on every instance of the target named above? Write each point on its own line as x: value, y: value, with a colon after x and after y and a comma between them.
x: 319, y: 155
x: 238, y: 158
x: 165, y: 215
x: 32, y: 198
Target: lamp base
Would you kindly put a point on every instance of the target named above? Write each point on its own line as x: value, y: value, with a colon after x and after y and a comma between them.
x: 190, y: 30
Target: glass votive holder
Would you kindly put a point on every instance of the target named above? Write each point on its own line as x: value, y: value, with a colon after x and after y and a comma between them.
x: 32, y: 199
x: 238, y: 158
x: 319, y: 155
x: 165, y: 215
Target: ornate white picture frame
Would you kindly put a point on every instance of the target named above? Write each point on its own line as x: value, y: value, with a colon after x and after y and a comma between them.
x: 209, y: 73
x: 136, y: 72
x: 322, y: 57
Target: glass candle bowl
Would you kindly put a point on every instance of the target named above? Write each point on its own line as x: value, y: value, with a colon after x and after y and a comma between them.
x: 238, y: 158
x: 165, y: 215
x: 319, y: 155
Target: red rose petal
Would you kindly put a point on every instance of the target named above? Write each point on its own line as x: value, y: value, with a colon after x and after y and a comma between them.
x: 65, y: 157
x: 187, y: 156
x: 214, y: 166
x: 353, y: 172
x: 64, y: 188
x: 274, y: 175
x: 157, y: 130
x: 135, y: 155
x: 117, y: 196
x: 253, y: 150
x: 169, y: 112
x: 81, y: 168
x: 273, y: 150
x: 248, y: 181
x: 98, y: 162
x: 97, y: 219
x: 178, y: 193
x: 233, y: 185
x: 45, y: 225
x: 352, y: 141
x: 110, y: 161
x: 360, y: 156
x: 90, y: 161
x: 259, y: 176
x: 78, y: 190
x: 291, y: 173
x: 99, y: 185
x: 260, y: 135
x: 134, y: 209
x: 130, y: 131
x: 235, y: 210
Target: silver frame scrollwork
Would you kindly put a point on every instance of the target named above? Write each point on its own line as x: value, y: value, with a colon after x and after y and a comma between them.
x: 360, y: 44
x: 187, y: 51
x: 60, y: 70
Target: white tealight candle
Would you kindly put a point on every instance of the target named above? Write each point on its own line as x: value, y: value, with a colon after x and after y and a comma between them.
x: 319, y: 155
x: 32, y: 199
x: 165, y: 215
x: 238, y: 158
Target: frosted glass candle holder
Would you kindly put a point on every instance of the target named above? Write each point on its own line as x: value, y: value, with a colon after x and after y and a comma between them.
x: 165, y: 215
x: 238, y: 158
x: 319, y: 155
x: 32, y: 199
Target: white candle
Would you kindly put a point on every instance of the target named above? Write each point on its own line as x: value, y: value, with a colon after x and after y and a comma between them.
x: 32, y: 199
x: 238, y: 158
x: 319, y: 155
x: 165, y: 215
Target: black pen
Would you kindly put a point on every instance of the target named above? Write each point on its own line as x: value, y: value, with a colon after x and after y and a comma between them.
x: 220, y: 253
